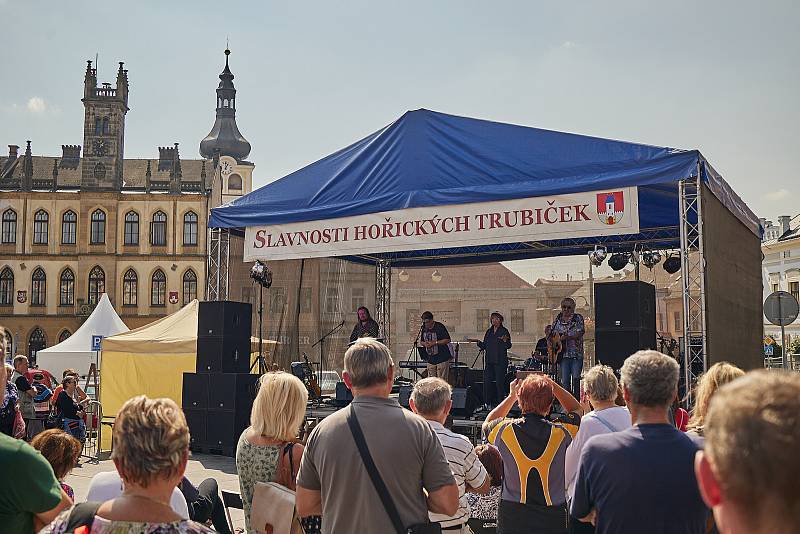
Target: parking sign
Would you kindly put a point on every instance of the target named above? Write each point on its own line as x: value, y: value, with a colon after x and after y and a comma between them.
x: 96, y: 342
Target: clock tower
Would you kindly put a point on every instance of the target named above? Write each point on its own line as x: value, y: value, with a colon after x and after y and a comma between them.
x: 103, y: 130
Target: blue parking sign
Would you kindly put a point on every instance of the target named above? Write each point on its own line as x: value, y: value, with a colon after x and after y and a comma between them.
x: 96, y: 342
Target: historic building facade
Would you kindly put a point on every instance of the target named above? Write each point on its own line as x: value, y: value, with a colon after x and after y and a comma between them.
x: 90, y: 221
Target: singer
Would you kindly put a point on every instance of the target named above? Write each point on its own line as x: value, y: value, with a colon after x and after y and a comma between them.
x: 366, y: 325
x: 496, y: 343
x: 434, y: 338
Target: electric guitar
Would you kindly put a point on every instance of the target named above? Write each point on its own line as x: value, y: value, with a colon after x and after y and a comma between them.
x: 311, y: 379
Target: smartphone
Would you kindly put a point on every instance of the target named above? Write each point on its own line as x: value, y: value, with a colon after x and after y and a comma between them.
x: 521, y: 375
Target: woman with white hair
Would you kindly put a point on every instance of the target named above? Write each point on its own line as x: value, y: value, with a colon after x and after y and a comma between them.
x: 151, y: 449
x: 278, y: 413
x: 599, y: 393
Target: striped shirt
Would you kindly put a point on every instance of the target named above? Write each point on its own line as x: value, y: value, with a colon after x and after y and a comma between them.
x: 466, y: 468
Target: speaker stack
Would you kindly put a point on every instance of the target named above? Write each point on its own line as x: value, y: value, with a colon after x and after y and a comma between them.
x: 218, y: 398
x: 625, y: 320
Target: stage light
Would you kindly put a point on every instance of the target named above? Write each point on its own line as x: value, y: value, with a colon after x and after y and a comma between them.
x: 436, y: 276
x: 261, y: 274
x: 403, y: 276
x: 673, y: 263
x: 618, y: 261
x: 597, y: 256
x: 650, y: 258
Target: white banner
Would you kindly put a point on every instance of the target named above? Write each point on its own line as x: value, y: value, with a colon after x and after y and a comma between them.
x: 595, y: 213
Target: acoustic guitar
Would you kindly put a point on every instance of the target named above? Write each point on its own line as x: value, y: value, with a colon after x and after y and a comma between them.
x: 311, y: 379
x: 554, y: 348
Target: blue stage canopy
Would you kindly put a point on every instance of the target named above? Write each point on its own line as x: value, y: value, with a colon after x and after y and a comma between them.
x: 427, y: 158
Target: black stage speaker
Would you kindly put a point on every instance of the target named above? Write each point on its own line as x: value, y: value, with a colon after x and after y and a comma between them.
x: 196, y: 419
x: 223, y: 428
x: 194, y: 395
x: 225, y: 354
x: 404, y: 396
x: 225, y: 318
x: 343, y: 395
x: 625, y: 305
x: 464, y: 402
x: 612, y: 346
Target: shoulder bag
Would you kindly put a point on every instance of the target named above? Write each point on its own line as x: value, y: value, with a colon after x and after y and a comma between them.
x: 380, y: 486
x: 273, y: 508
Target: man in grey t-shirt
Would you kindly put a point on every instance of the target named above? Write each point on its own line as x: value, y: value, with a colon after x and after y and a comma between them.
x: 333, y: 481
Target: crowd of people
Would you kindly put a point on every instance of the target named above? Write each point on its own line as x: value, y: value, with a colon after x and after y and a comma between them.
x: 612, y: 460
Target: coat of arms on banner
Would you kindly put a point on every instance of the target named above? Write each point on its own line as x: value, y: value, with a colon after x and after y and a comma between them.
x: 173, y: 297
x: 22, y: 295
x: 610, y: 207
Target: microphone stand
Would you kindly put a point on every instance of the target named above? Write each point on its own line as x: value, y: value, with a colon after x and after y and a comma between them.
x: 321, y: 343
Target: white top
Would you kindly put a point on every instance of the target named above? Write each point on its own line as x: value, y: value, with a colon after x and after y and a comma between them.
x: 466, y: 468
x: 591, y: 425
x: 106, y: 486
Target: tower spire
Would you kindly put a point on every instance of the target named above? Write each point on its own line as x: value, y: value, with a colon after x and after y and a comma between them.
x: 225, y: 136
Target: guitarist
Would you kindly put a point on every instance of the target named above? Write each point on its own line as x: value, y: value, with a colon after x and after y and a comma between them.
x: 496, y: 342
x: 570, y: 327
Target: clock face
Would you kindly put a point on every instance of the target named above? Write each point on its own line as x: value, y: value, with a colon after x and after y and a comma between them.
x: 226, y: 168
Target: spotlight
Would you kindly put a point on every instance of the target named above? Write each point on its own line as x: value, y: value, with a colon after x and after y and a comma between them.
x: 650, y: 258
x: 673, y: 263
x: 261, y: 274
x: 597, y: 256
x: 403, y: 276
x: 618, y: 261
x: 436, y: 276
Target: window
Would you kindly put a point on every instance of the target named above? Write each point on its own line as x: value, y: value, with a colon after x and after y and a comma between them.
x: 189, y: 287
x: 64, y: 335
x: 38, y: 287
x: 69, y: 227
x: 36, y: 342
x: 481, y: 319
x: 190, y: 228
x: 332, y: 299
x: 158, y: 229
x: 97, y: 284
x: 305, y: 300
x: 794, y: 289
x: 6, y: 287
x: 131, y: 228
x: 517, y: 320
x: 277, y: 299
x: 9, y: 230
x: 775, y: 286
x: 158, y: 288
x: 357, y: 298
x: 787, y: 253
x: 66, y: 291
x: 130, y: 288
x: 98, y: 126
x: 106, y: 126
x: 676, y: 320
x: 41, y: 224
x: 234, y: 182
x: 98, y: 228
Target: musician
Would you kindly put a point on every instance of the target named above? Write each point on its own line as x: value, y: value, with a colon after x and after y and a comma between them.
x: 366, y: 325
x: 538, y: 359
x: 434, y: 338
x: 496, y: 342
x: 570, y: 326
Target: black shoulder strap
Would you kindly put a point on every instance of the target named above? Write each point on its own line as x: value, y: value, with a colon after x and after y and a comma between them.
x: 374, y: 475
x: 82, y: 515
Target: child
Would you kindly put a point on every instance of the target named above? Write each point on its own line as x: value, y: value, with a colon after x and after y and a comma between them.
x: 61, y: 450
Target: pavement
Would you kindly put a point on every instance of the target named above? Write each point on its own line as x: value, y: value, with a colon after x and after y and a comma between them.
x: 199, y: 468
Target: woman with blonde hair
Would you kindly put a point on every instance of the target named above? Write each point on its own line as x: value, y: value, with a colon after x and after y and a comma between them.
x: 151, y: 449
x: 278, y: 412
x: 717, y: 376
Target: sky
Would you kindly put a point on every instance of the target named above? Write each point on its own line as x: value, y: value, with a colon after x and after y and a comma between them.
x: 313, y: 77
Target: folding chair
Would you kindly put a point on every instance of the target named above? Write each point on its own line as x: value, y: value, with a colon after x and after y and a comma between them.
x: 231, y: 499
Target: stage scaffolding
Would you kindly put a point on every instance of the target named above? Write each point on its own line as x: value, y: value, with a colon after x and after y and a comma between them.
x: 218, y: 283
x: 383, y: 296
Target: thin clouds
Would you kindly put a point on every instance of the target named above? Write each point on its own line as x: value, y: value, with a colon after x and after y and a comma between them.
x: 778, y: 195
x: 36, y: 104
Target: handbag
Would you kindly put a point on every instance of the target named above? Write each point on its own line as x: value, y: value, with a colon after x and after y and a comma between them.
x: 380, y: 486
x: 273, y: 507
x: 19, y: 430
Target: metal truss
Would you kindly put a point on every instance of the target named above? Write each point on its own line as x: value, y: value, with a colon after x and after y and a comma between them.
x: 218, y: 262
x: 383, y: 298
x: 693, y: 274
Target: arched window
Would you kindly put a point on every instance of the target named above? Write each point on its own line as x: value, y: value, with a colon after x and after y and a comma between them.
x: 158, y: 288
x: 36, y: 342
x: 69, y: 227
x: 131, y: 228
x: 97, y: 284
x: 6, y: 287
x: 189, y: 287
x: 234, y: 182
x: 41, y: 224
x: 158, y: 229
x: 98, y: 229
x: 130, y: 288
x: 98, y: 126
x: 38, y: 287
x: 9, y: 230
x: 64, y: 335
x: 190, y: 228
x: 99, y: 171
x: 66, y: 288
x: 106, y: 127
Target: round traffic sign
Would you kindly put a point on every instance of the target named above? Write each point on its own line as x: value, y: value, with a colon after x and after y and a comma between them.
x: 781, y: 308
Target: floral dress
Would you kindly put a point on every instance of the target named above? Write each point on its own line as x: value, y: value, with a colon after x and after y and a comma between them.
x: 106, y: 526
x: 254, y: 463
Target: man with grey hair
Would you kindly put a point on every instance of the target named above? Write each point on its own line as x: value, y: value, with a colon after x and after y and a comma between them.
x: 431, y: 399
x: 642, y: 479
x: 333, y: 480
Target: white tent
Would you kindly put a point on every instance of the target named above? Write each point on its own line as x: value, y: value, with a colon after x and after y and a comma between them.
x: 76, y: 351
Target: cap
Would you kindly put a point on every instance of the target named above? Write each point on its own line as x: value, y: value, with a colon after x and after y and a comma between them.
x: 497, y: 314
x: 426, y: 316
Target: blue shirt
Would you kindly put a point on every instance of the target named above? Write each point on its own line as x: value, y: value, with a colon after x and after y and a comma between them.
x: 641, y: 480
